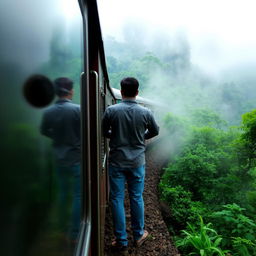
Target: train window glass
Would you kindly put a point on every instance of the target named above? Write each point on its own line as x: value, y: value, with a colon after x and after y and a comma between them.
x: 101, y: 76
x: 40, y: 198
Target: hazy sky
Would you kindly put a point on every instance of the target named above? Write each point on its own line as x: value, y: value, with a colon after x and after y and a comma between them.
x: 221, y: 33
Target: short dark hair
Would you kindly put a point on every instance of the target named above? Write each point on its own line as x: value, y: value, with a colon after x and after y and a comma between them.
x: 63, y: 86
x: 129, y: 86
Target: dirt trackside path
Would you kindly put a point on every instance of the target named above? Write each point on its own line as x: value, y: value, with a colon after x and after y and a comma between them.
x: 159, y: 243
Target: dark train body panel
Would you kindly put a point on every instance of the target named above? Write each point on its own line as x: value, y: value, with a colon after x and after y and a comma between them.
x: 35, y: 39
x: 53, y: 39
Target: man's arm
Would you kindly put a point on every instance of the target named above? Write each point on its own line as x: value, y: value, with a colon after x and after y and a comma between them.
x: 106, y: 128
x: 153, y: 128
x: 45, y: 127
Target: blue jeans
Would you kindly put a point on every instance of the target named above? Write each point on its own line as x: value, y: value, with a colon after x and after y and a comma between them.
x: 69, y: 182
x: 135, y: 180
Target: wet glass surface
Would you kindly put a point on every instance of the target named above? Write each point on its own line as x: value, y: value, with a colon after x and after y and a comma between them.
x: 45, y: 38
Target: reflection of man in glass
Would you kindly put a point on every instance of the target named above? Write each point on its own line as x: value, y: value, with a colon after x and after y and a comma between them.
x: 61, y: 123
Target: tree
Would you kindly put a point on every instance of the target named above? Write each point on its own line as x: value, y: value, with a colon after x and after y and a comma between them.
x: 249, y: 136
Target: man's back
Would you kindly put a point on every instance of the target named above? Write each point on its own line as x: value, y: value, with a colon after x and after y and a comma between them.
x: 61, y: 123
x: 130, y: 125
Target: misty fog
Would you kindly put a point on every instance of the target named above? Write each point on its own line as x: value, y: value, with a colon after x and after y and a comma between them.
x: 27, y: 37
x: 180, y: 65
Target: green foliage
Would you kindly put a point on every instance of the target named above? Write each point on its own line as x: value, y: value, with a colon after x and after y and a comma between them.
x: 251, y: 198
x: 175, y: 124
x: 23, y: 141
x: 139, y: 67
x: 212, y: 163
x: 204, y: 242
x: 249, y: 124
x: 232, y: 222
x: 203, y: 165
x: 193, y: 170
x: 182, y: 208
x: 249, y: 136
x: 64, y: 61
x: 207, y: 117
x: 243, y: 247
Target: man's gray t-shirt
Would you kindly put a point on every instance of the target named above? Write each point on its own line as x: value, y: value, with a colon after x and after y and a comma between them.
x: 61, y: 123
x: 128, y: 124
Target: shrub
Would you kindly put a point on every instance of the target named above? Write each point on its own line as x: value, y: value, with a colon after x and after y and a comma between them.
x: 204, y: 242
x: 243, y: 247
x: 231, y: 223
x: 204, y: 164
x: 182, y: 208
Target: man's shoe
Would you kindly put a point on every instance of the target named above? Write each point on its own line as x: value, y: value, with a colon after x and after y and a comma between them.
x: 118, y: 249
x: 144, y: 238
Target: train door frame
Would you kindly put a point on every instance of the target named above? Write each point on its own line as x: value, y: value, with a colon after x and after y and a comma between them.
x: 91, y: 240
x: 83, y: 247
x: 97, y: 245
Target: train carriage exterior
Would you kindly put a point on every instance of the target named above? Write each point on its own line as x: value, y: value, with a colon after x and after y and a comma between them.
x: 45, y: 40
x: 140, y: 100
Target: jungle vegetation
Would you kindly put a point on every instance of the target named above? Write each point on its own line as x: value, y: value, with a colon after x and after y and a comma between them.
x: 209, y: 184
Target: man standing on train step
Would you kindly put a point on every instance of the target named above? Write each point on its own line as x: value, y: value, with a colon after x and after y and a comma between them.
x: 61, y: 123
x: 128, y: 125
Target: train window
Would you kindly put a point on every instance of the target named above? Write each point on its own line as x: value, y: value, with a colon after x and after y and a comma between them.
x: 40, y: 200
